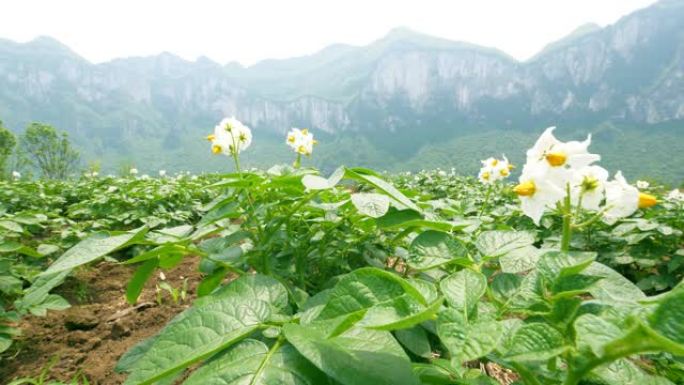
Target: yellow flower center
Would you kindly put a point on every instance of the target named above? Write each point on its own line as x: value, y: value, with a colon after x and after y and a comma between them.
x: 305, y: 131
x: 504, y: 172
x: 525, y: 189
x: 243, y: 138
x: 301, y: 150
x: 556, y: 159
x: 485, y: 175
x: 589, y: 183
x: 216, y: 149
x: 290, y: 138
x: 495, y: 162
x: 211, y: 137
x: 510, y: 167
x: 646, y: 200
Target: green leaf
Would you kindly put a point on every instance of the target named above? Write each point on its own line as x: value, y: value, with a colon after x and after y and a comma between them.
x: 16, y: 247
x: 402, y: 313
x: 432, y: 248
x: 415, y: 339
x: 592, y: 333
x: 495, y: 243
x: 137, y: 282
x: 94, y: 247
x: 357, y: 356
x: 39, y: 290
x: 613, y: 288
x: 378, y: 183
x: 226, y: 209
x: 370, y: 204
x: 467, y: 341
x: 51, y: 302
x: 315, y: 182
x: 668, y: 318
x: 624, y: 372
x: 211, y: 282
x: 535, y: 342
x: 11, y: 226
x: 520, y: 260
x: 253, y: 362
x: 463, y: 290
x: 203, y: 330
x: 366, y: 288
x: 553, y: 264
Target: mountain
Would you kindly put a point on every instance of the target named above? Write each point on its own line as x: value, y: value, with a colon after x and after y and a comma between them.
x: 406, y: 100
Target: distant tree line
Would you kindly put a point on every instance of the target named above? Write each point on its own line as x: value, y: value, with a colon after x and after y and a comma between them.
x: 40, y: 149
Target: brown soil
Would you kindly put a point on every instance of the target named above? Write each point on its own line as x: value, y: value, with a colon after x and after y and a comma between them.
x: 89, y: 337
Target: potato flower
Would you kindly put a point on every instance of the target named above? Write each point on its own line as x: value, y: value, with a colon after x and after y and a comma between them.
x: 16, y: 174
x: 162, y: 173
x: 133, y: 171
x: 588, y: 187
x: 494, y: 169
x: 561, y: 157
x: 537, y: 191
x: 301, y: 141
x: 230, y: 137
x: 642, y: 184
x: 675, y: 195
x: 622, y: 199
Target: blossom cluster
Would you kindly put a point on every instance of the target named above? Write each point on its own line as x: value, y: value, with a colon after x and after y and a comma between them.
x: 494, y: 170
x: 230, y: 137
x: 556, y: 171
x: 301, y: 141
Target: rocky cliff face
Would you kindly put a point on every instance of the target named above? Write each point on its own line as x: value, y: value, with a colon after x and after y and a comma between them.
x: 632, y: 71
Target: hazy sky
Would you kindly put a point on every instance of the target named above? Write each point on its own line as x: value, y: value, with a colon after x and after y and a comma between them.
x: 250, y: 30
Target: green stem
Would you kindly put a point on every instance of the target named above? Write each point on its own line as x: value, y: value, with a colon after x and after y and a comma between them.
x: 486, y: 200
x: 298, y: 161
x: 528, y: 377
x: 567, y: 221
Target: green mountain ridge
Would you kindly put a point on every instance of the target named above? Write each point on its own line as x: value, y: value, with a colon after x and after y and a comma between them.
x: 405, y: 101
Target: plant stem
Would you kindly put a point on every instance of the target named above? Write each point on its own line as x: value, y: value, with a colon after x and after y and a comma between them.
x: 486, y: 200
x: 298, y: 161
x: 567, y: 221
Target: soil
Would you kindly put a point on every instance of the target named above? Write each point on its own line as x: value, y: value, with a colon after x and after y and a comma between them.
x: 88, y: 338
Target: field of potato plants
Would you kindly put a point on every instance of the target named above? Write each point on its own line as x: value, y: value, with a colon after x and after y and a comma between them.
x: 566, y: 276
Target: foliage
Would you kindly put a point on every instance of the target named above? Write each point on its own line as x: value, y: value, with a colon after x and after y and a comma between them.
x: 7, y: 143
x: 48, y: 151
x: 357, y: 278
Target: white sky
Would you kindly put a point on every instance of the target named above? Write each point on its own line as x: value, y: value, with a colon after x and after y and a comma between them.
x: 251, y: 30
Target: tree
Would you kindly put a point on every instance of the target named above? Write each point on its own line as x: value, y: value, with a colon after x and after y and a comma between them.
x: 48, y: 151
x: 7, y: 143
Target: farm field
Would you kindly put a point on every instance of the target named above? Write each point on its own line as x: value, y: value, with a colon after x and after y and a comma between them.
x: 286, y: 276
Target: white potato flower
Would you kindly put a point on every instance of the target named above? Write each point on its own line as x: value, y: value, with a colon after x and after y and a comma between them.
x: 162, y: 173
x: 559, y: 157
x: 642, y: 184
x: 94, y: 174
x: 133, y: 171
x: 675, y: 195
x: 622, y: 199
x: 494, y: 169
x: 588, y: 185
x: 301, y: 141
x: 16, y: 174
x: 537, y: 191
x: 230, y: 137
x: 144, y: 177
